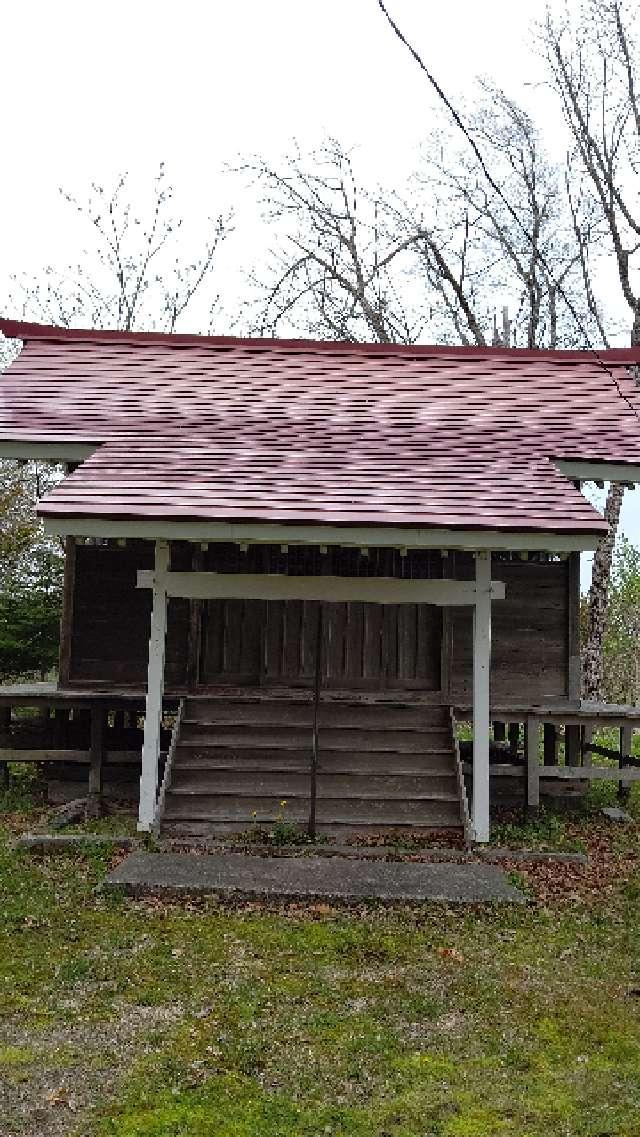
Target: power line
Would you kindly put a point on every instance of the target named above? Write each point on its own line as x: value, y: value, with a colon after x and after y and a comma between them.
x: 496, y: 188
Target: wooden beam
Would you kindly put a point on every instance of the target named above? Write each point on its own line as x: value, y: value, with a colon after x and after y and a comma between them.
x: 532, y: 731
x: 481, y: 702
x: 626, y: 775
x: 58, y: 452
x: 155, y: 689
x: 76, y: 757
x: 369, y: 536
x: 278, y: 586
x: 600, y: 471
x: 629, y: 775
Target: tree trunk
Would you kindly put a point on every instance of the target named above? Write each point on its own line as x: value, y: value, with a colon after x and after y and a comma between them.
x: 592, y: 660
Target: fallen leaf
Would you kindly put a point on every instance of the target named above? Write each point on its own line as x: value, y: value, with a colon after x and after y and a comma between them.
x: 451, y: 953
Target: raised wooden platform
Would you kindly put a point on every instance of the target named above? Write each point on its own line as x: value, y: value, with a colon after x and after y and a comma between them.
x: 99, y: 729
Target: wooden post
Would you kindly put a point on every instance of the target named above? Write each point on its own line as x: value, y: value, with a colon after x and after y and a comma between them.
x: 585, y: 741
x: 5, y: 726
x: 626, y: 744
x: 550, y: 744
x: 574, y: 670
x: 5, y: 742
x: 66, y: 617
x: 532, y: 731
x: 446, y: 642
x: 481, y: 702
x: 194, y: 635
x: 315, y: 742
x: 96, y: 754
x: 155, y: 690
x: 572, y: 746
x: 60, y: 728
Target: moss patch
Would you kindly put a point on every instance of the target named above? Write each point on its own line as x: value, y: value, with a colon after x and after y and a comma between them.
x: 167, y: 1020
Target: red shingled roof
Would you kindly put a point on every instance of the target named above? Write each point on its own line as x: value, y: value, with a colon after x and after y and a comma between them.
x: 295, y: 431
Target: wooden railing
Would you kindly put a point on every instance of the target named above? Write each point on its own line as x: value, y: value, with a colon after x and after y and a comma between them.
x: 168, y: 766
x: 462, y: 789
x: 532, y: 772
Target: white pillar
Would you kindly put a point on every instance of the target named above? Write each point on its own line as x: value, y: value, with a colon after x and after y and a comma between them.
x: 481, y: 706
x: 155, y: 690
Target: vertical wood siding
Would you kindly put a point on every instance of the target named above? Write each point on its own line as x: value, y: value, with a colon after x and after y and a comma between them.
x: 530, y: 649
x: 273, y: 643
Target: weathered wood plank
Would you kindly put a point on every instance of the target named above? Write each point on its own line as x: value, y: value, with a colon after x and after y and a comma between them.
x: 332, y: 589
x: 626, y: 745
x: 96, y: 752
x: 29, y: 754
x: 574, y: 677
x: 550, y: 744
x: 66, y: 618
x: 626, y: 775
x: 572, y: 744
x: 532, y: 730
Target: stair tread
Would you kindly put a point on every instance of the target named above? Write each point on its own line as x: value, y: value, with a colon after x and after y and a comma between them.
x: 297, y: 744
x: 185, y: 791
x: 223, y: 724
x: 256, y: 768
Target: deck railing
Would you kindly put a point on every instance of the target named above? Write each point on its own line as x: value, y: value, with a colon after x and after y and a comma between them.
x: 462, y: 789
x: 168, y: 767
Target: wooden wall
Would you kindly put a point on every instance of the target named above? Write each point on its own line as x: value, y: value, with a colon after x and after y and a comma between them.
x: 105, y: 633
x: 364, y: 646
x: 530, y: 631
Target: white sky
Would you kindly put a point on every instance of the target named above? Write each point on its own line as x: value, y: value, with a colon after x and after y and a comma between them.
x: 89, y: 90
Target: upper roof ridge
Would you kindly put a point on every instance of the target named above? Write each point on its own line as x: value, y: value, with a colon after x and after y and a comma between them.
x: 22, y: 330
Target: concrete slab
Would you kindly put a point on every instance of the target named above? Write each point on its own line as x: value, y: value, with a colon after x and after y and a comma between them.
x: 334, y: 878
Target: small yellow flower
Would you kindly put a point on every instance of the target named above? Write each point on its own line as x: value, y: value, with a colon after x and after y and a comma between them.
x: 254, y: 813
x: 283, y: 803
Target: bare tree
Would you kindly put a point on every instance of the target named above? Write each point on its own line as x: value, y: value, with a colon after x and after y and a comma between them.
x: 134, y: 276
x: 594, y: 69
x: 353, y: 262
x: 517, y: 244
x: 337, y: 266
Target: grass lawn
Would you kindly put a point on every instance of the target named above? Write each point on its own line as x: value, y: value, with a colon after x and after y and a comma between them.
x: 141, y: 1019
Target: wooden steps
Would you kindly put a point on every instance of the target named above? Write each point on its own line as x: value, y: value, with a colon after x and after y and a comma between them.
x: 382, y: 765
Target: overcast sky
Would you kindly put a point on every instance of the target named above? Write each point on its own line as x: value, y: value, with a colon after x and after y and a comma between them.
x: 89, y: 90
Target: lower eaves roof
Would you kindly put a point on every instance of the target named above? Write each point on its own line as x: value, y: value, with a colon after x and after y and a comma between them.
x: 455, y: 485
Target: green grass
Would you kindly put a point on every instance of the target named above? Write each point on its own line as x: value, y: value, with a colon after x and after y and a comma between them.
x: 195, y: 1021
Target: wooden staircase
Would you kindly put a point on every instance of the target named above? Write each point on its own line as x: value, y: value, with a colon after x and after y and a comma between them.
x: 384, y: 764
